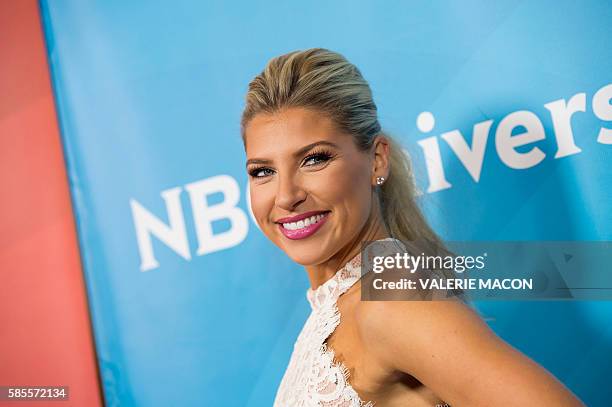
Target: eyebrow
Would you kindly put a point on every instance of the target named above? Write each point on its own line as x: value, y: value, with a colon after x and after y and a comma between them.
x: 298, y: 153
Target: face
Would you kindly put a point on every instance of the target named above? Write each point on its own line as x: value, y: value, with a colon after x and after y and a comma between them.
x: 311, y: 187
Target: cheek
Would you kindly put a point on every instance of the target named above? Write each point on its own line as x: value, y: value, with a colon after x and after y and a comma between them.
x: 260, y: 203
x: 350, y: 184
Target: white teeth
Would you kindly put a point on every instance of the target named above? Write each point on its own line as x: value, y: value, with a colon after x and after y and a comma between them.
x: 303, y: 223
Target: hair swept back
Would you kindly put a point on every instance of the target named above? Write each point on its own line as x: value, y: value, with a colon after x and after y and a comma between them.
x: 326, y: 81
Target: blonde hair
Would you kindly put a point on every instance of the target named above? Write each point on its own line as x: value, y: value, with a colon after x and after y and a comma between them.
x: 325, y: 81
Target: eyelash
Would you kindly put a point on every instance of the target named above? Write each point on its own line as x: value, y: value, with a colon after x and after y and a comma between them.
x: 325, y: 155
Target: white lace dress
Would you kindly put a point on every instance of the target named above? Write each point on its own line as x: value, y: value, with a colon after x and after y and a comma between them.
x: 312, y: 378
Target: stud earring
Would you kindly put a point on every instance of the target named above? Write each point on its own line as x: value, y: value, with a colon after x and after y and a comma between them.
x: 380, y: 180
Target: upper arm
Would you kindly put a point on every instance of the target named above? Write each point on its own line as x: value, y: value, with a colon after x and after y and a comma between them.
x: 447, y: 346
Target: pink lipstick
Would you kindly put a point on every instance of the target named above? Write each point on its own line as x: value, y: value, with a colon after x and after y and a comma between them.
x: 299, y: 229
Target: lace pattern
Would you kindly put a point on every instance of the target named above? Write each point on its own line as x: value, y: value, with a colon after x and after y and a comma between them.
x: 313, y: 378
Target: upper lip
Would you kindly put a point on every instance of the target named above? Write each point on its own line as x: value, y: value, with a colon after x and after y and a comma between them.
x: 296, y: 218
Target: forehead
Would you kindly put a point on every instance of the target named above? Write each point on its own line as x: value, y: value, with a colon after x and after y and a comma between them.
x: 288, y: 130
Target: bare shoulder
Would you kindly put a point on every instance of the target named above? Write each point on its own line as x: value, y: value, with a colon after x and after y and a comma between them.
x: 417, y: 328
x: 449, y: 348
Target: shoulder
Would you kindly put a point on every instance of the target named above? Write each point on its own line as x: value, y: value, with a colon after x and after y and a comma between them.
x: 451, y: 350
x: 437, y: 342
x: 448, y: 347
x: 421, y: 337
x: 420, y: 321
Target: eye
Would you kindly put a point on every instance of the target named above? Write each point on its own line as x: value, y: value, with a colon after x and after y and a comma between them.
x: 260, y: 172
x: 317, y: 158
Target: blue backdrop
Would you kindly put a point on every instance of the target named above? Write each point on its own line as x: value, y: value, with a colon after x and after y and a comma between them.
x: 191, y: 304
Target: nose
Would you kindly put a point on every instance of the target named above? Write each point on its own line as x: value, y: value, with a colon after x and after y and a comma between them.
x: 289, y: 193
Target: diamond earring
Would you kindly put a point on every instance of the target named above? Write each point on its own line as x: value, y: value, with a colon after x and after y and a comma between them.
x: 380, y: 180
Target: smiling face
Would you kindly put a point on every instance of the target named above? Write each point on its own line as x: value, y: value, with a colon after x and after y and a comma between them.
x: 302, y: 167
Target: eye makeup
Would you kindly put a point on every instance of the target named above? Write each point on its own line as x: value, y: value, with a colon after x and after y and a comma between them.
x: 321, y: 155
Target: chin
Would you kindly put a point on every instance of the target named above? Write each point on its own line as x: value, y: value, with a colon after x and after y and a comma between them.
x: 305, y: 259
x: 305, y: 252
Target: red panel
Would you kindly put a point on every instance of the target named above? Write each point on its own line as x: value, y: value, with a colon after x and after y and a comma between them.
x: 45, y: 332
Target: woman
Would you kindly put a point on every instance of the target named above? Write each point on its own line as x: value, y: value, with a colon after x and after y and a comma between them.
x: 323, y: 180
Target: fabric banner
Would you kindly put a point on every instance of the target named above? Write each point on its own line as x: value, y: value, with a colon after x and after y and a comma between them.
x: 45, y: 329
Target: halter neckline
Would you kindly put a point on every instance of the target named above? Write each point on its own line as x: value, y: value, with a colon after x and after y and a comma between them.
x: 340, y: 282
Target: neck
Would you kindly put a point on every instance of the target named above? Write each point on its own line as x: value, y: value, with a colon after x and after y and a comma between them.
x: 320, y: 273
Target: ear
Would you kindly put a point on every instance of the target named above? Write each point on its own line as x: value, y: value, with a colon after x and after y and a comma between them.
x: 380, y: 164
